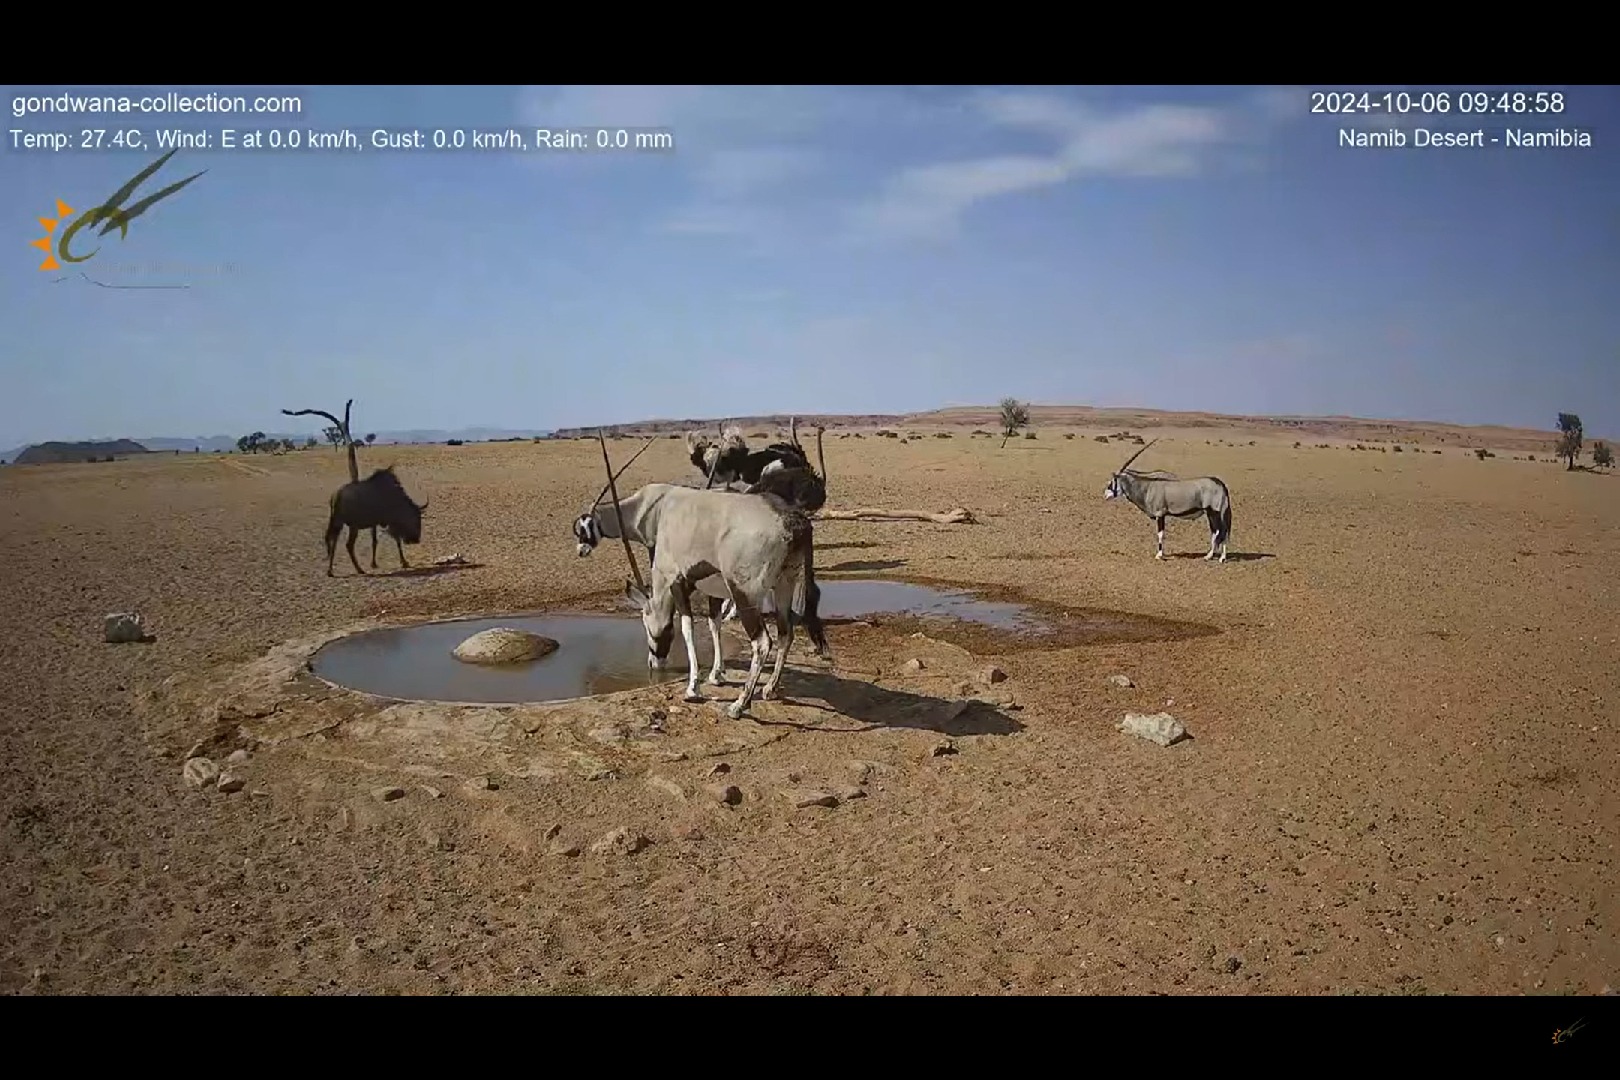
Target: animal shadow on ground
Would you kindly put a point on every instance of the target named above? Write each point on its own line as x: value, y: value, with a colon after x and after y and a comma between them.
x: 875, y: 707
x: 427, y: 571
x: 852, y: 565
x: 846, y: 544
x: 1231, y: 556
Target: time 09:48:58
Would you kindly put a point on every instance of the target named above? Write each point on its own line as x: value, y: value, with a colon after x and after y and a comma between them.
x: 1467, y: 101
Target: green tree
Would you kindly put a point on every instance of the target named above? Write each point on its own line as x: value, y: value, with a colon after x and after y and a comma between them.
x: 333, y: 435
x: 371, y: 438
x: 1014, y: 415
x: 1602, y: 456
x: 1569, y: 441
x: 251, y: 444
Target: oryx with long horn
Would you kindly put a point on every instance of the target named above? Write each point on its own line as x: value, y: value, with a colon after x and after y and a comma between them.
x: 1161, y: 496
x: 750, y: 546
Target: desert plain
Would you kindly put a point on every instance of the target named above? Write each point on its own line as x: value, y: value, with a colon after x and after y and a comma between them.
x: 1403, y: 696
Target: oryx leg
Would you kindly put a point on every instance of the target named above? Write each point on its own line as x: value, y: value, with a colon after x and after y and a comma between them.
x: 784, y: 634
x: 760, y: 643
x: 717, y: 670
x: 1214, y: 532
x: 683, y: 606
x: 1158, y: 523
x: 354, y: 534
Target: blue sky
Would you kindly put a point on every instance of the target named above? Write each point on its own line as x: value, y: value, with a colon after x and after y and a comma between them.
x: 822, y: 249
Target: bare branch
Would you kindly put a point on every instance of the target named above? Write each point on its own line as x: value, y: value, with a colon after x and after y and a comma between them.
x: 613, y: 488
x: 341, y: 425
x: 958, y: 516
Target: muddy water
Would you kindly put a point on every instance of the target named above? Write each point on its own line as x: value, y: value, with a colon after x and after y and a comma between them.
x: 602, y: 654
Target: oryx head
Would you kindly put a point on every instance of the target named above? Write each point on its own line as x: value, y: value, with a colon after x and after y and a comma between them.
x: 587, y: 533
x: 1115, y: 488
x: 657, y: 620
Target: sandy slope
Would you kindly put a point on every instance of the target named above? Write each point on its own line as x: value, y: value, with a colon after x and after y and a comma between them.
x: 1404, y: 775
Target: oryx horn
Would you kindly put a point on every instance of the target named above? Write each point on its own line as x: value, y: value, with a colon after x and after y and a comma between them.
x: 613, y: 488
x: 1132, y: 458
x: 614, y: 476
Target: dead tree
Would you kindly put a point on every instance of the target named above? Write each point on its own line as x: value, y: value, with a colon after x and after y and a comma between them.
x: 342, y: 426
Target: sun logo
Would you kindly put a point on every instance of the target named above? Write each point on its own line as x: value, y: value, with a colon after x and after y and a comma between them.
x: 44, y: 242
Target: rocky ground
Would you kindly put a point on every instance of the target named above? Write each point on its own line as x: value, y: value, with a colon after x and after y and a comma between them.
x: 1402, y: 776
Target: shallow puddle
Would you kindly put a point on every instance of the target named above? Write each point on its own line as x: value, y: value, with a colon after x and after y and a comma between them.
x: 603, y: 654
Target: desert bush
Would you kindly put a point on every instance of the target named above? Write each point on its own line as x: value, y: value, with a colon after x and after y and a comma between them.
x: 1104, y: 438
x: 1483, y: 453
x: 1569, y: 441
x: 455, y: 442
x: 1014, y: 417
x: 1398, y: 450
x: 1068, y: 434
x: 942, y: 435
x: 760, y: 435
x: 1029, y: 434
x: 1602, y: 456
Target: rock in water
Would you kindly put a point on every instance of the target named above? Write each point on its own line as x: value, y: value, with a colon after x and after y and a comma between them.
x: 503, y: 645
x: 1161, y: 728
x: 124, y: 626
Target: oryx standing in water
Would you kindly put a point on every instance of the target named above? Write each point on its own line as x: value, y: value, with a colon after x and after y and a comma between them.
x: 1160, y: 496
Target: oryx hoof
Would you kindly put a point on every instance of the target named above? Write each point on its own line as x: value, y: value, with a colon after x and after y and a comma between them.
x: 715, y: 679
x: 1159, y: 555
x: 1208, y: 557
x: 693, y: 697
x: 735, y: 710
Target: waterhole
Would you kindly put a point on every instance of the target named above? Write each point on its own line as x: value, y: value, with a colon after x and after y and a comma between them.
x: 603, y: 654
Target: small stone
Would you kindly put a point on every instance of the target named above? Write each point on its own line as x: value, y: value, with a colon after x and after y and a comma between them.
x: 667, y: 786
x: 845, y: 794
x: 671, y: 755
x: 993, y: 674
x: 238, y: 757
x: 804, y: 798
x: 729, y: 794
x: 685, y: 831
x: 230, y: 782
x: 1161, y: 728
x: 1232, y: 965
x: 551, y: 832
x: 1121, y: 681
x: 199, y: 772
x: 564, y: 848
x: 914, y: 664
x: 124, y: 626
x: 719, y: 768
x: 482, y: 783
x: 621, y: 841
x: 432, y: 792
x: 1447, y: 920
x: 387, y: 794
x: 942, y: 749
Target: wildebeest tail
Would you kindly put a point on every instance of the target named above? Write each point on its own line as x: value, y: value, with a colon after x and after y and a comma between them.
x: 809, y: 595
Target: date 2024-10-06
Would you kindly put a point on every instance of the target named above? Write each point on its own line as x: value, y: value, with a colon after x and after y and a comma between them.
x: 1439, y: 102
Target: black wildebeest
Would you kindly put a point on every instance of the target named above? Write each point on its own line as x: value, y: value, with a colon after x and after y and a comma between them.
x: 379, y: 499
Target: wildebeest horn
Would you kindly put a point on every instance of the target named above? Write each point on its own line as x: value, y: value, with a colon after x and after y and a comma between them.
x: 423, y: 505
x: 614, y: 476
x: 613, y: 488
x: 1132, y: 458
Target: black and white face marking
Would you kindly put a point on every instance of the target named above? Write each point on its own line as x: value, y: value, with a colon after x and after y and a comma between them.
x: 1112, y: 489
x: 588, y: 535
x: 660, y: 634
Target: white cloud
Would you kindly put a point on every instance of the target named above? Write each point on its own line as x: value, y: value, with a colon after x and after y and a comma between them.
x: 783, y: 164
x: 1156, y: 140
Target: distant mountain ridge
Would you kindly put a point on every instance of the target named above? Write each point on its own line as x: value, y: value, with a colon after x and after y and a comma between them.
x: 209, y: 444
x: 52, y: 453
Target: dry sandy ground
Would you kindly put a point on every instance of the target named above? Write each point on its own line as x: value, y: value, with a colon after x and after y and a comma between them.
x: 1404, y: 776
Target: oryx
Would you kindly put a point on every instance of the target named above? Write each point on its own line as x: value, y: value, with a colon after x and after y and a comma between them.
x: 745, y: 547
x: 1161, y: 495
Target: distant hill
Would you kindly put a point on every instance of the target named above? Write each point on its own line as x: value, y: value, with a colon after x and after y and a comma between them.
x: 53, y: 453
x: 749, y: 424
x: 209, y: 444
